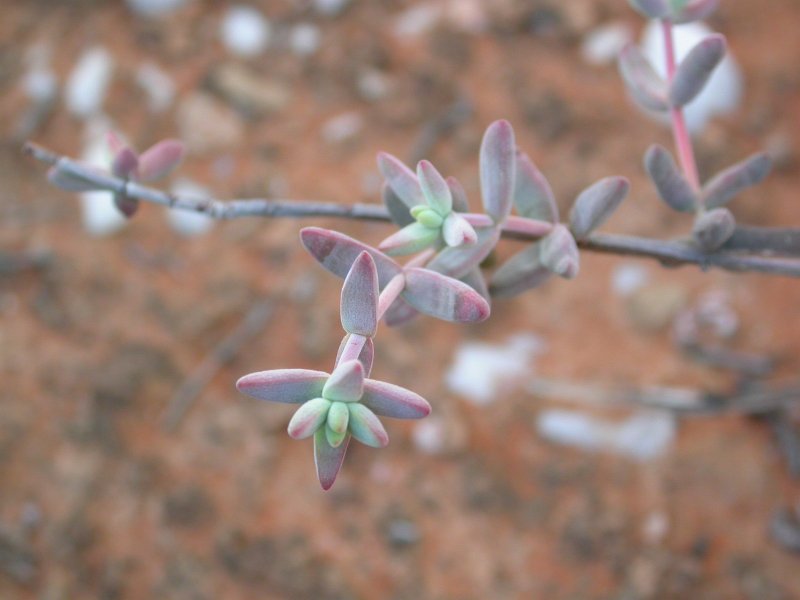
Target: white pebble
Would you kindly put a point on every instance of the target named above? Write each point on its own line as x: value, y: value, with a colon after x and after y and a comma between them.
x: 330, y: 8
x: 158, y: 86
x: 342, y: 128
x: 602, y: 46
x: 417, y: 20
x: 154, y: 8
x: 245, y: 31
x: 627, y: 278
x: 88, y: 82
x: 722, y: 93
x: 185, y: 222
x: 304, y: 39
x: 481, y: 371
x: 429, y: 436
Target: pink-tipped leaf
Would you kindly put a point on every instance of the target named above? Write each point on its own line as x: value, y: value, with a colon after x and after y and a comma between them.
x: 559, y: 252
x: 672, y: 186
x: 336, y: 439
x: 283, y: 385
x: 457, y: 231
x: 457, y: 262
x: 729, y: 183
x: 389, y: 400
x: 359, y: 303
x: 365, y: 357
x: 346, y: 383
x: 366, y: 427
x: 645, y: 86
x: 533, y: 196
x: 477, y: 282
x: 695, y: 70
x: 434, y: 188
x: 161, y: 159
x: 443, y: 297
x: 398, y: 211
x: 337, y: 252
x: 460, y: 201
x: 125, y: 163
x: 596, y: 204
x: 401, y: 179
x: 399, y: 313
x: 338, y: 417
x: 308, y: 418
x: 497, y: 169
x: 328, y: 459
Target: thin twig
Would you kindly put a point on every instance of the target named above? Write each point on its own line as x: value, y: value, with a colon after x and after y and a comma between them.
x: 251, y: 325
x: 671, y: 253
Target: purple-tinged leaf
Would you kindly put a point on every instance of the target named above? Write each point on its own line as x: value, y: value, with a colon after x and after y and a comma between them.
x: 457, y: 262
x: 126, y: 205
x: 460, y: 201
x: 359, y: 305
x: 72, y: 182
x: 434, y: 187
x: 290, y: 386
x: 695, y: 70
x: 695, y: 10
x: 346, y: 383
x: 115, y: 143
x: 427, y: 216
x: 497, y: 168
x: 533, y: 196
x: 559, y: 252
x: 337, y: 252
x: 523, y: 271
x: 652, y: 9
x: 366, y: 427
x: 308, y: 418
x: 713, y: 228
x: 457, y: 232
x: 444, y: 297
x: 338, y: 416
x: 125, y: 163
x: 398, y: 211
x: 366, y: 356
x: 477, y: 282
x: 336, y: 439
x: 479, y: 220
x: 645, y: 86
x: 328, y: 459
x: 730, y: 182
x: 596, y: 204
x: 160, y: 159
x: 670, y: 183
x: 399, y: 313
x: 401, y: 179
x: 389, y: 400
x: 409, y: 240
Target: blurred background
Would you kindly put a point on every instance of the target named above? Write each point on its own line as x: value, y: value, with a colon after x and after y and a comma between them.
x: 131, y: 468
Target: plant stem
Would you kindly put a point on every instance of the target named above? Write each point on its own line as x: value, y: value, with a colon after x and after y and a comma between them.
x: 353, y: 347
x: 683, y: 140
x: 673, y: 253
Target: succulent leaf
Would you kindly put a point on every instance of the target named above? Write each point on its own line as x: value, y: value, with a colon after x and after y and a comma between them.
x: 457, y: 262
x: 497, y: 169
x: 346, y: 383
x: 671, y: 184
x: 443, y: 297
x: 460, y: 201
x: 328, y: 459
x: 290, y: 386
x: 308, y: 418
x: 596, y: 204
x: 713, y: 228
x: 457, y: 232
x: 434, y: 188
x: 337, y: 252
x: 389, y: 400
x: 359, y: 303
x: 477, y: 282
x: 365, y: 357
x: 161, y: 159
x: 335, y: 439
x: 733, y: 180
x: 533, y: 196
x: 366, y: 427
x: 645, y: 86
x: 694, y: 10
x: 652, y: 9
x: 410, y: 239
x: 398, y: 210
x: 399, y: 313
x: 125, y: 163
x: 338, y: 417
x: 695, y: 70
x: 523, y: 271
x: 401, y: 179
x: 559, y: 252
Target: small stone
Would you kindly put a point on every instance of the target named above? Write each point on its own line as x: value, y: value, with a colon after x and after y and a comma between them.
x: 627, y: 278
x: 304, y: 39
x: 245, y: 31
x: 331, y: 8
x: 373, y: 85
x: 248, y: 91
x: 440, y: 435
x: 418, y: 20
x: 402, y: 532
x: 157, y: 85
x: 342, y: 128
x: 206, y: 125
x: 88, y: 82
x: 154, y: 8
x: 654, y: 307
x: 602, y: 45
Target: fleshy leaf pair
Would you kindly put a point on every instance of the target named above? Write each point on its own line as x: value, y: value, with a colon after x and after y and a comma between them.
x: 676, y: 11
x: 334, y: 407
x: 426, y: 291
